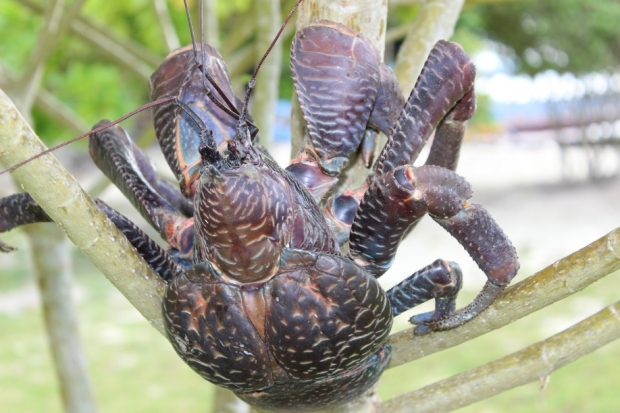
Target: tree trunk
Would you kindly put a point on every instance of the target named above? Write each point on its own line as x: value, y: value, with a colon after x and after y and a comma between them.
x: 51, y: 259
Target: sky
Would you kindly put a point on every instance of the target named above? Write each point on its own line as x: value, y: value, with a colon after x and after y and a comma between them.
x: 495, y: 79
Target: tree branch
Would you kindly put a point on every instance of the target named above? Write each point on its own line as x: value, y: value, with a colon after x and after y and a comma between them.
x: 524, y: 366
x: 435, y: 20
x: 51, y: 259
x: 559, y: 280
x: 65, y: 202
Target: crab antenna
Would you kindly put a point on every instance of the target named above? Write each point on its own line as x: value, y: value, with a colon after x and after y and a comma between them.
x: 252, y: 82
x: 191, y: 26
x: 201, y: 19
x: 99, y: 129
x: 207, y: 75
x: 229, y: 108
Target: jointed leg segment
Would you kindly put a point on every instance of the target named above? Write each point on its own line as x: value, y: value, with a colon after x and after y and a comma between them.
x: 132, y: 172
x: 441, y: 280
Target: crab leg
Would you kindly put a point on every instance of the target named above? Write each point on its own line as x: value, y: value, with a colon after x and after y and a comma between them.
x: 166, y: 264
x: 442, y: 99
x: 17, y: 210
x: 20, y: 209
x: 131, y: 171
x: 397, y: 199
x: 446, y: 146
x: 441, y: 280
x: 446, y: 79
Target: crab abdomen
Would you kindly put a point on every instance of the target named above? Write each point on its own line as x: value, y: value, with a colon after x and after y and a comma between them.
x: 321, y: 321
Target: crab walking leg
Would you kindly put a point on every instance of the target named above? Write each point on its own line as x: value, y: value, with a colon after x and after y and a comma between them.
x: 155, y: 256
x: 448, y: 139
x: 396, y: 200
x: 449, y: 134
x: 20, y: 209
x: 486, y: 243
x: 17, y: 210
x: 447, y: 77
x: 442, y: 99
x: 441, y: 280
x: 133, y: 173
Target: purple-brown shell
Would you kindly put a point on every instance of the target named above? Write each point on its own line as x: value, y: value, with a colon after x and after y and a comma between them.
x: 336, y: 76
x: 321, y: 321
x: 180, y: 76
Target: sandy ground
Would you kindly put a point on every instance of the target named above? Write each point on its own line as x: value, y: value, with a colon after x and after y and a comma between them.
x: 545, y: 216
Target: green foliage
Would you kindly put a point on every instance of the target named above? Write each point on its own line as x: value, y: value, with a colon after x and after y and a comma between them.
x: 17, y: 24
x: 568, y: 36
x: 402, y: 14
x: 572, y: 35
x: 75, y: 73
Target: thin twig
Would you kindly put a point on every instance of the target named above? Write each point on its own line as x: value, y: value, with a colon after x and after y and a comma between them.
x: 211, y: 22
x: 127, y: 53
x: 559, y: 280
x: 165, y: 22
x: 522, y: 367
x: 268, y: 21
x: 241, y: 28
x: 57, y: 22
x: 50, y: 105
x: 60, y: 112
x: 397, y: 33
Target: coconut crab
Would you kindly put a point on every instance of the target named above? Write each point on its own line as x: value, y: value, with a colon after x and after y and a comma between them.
x: 260, y: 298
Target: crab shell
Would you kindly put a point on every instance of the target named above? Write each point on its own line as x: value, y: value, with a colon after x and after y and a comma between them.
x: 312, y: 333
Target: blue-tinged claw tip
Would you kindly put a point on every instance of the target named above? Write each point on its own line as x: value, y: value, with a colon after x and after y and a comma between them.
x: 422, y: 318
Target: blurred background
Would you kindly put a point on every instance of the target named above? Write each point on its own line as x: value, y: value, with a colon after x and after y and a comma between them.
x: 542, y: 154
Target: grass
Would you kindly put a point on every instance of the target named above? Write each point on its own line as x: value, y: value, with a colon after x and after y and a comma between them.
x: 134, y: 369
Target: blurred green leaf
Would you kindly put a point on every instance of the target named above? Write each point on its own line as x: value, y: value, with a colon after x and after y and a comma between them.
x: 568, y: 36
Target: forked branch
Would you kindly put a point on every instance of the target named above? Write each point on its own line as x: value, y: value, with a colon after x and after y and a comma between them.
x: 522, y: 367
x: 65, y: 202
x: 553, y: 283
